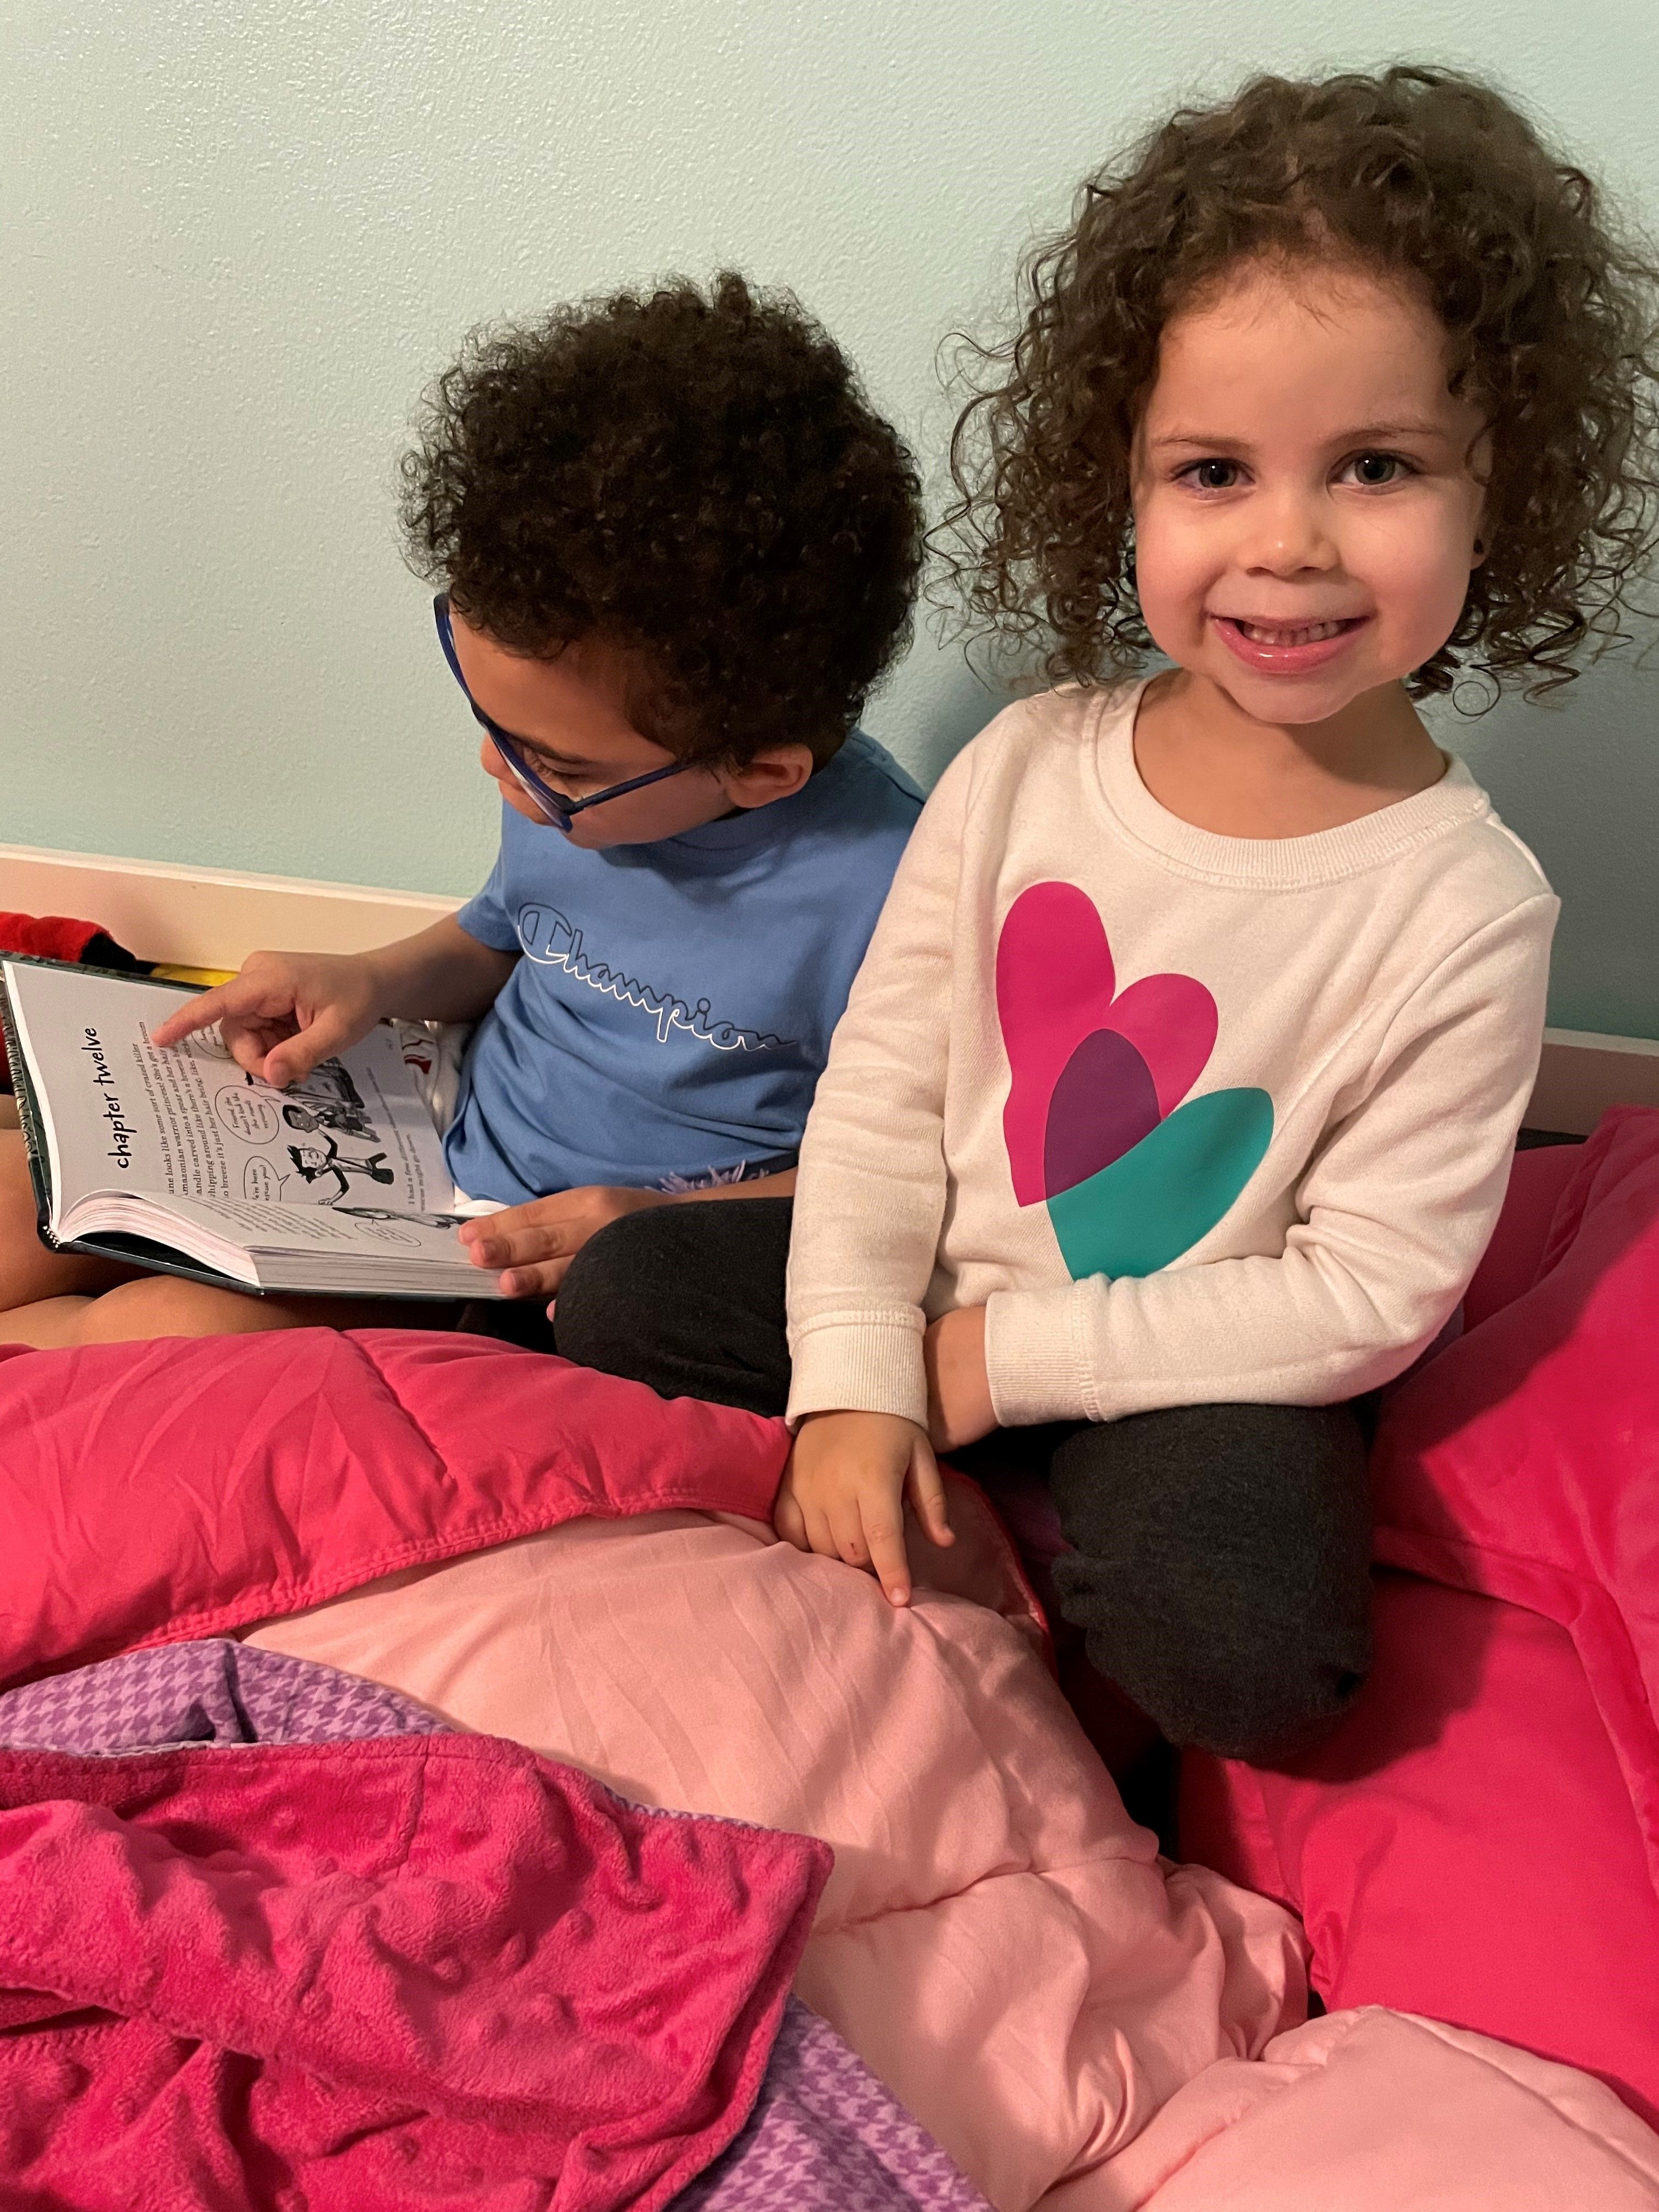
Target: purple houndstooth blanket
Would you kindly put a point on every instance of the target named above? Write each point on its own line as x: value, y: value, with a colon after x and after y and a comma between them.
x: 207, y: 1692
x: 824, y: 2135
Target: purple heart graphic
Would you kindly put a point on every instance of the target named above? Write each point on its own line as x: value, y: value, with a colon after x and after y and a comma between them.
x: 1103, y: 1104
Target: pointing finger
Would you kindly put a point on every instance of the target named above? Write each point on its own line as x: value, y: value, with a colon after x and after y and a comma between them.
x: 201, y: 1012
x: 884, y: 1532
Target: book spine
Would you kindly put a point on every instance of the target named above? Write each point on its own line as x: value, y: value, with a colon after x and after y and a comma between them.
x: 28, y: 1115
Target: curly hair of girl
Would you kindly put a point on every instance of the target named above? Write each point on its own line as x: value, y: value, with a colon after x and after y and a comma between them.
x: 1421, y: 176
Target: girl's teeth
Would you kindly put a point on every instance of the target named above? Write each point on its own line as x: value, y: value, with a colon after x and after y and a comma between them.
x: 1313, y: 633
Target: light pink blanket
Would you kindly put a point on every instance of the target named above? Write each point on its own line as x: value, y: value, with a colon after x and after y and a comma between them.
x: 997, y: 1939
x: 1377, y: 2112
x: 1079, y: 2024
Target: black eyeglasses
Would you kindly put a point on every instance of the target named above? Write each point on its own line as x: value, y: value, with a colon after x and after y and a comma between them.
x: 560, y: 812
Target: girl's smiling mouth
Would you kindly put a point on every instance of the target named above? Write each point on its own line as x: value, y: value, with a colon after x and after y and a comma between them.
x: 1278, y: 648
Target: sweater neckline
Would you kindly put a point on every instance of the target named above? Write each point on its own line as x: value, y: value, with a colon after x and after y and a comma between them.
x: 1322, y: 856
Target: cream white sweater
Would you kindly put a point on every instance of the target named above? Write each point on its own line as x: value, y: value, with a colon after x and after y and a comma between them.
x: 1195, y: 1118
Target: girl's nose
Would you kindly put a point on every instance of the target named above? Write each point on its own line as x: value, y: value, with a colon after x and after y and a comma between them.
x: 1287, y: 533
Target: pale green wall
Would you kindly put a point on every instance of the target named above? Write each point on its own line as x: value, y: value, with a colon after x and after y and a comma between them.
x: 237, y: 235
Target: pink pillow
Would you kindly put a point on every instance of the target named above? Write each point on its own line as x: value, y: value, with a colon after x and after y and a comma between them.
x: 1481, y: 1841
x: 1465, y: 1847
x: 1510, y: 1265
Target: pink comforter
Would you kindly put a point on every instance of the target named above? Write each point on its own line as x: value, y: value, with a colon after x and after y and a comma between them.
x: 157, y: 1492
x: 1079, y: 2023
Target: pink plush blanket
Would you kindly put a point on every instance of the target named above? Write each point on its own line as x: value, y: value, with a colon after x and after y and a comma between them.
x: 356, y: 1976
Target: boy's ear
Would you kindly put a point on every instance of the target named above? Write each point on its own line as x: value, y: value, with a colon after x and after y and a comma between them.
x: 777, y: 773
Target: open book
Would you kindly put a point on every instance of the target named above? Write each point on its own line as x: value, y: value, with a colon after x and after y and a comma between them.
x: 181, y: 1161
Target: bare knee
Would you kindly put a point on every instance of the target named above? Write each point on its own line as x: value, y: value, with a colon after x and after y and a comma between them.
x: 169, y: 1305
x: 26, y: 1265
x: 29, y: 1270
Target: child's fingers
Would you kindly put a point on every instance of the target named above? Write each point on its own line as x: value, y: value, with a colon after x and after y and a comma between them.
x: 846, y: 1525
x: 927, y: 1488
x: 789, y: 1520
x: 248, y: 1048
x: 883, y: 1538
x: 843, y: 1519
x: 537, y: 1282
x: 198, y: 1013
x: 295, y: 1058
x: 244, y: 1000
x: 489, y: 1226
x: 820, y: 1536
x: 521, y: 1245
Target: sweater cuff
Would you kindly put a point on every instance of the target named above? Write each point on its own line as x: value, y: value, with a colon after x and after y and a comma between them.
x: 859, y: 1367
x: 1031, y: 1359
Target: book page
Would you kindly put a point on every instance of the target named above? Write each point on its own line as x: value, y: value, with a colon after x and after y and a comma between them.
x: 189, y: 1123
x: 372, y: 1230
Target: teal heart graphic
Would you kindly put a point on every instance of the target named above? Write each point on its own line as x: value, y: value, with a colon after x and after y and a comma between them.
x: 1155, y: 1202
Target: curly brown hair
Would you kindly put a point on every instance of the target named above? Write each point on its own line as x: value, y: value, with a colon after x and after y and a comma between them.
x: 696, y: 478
x: 1418, y: 174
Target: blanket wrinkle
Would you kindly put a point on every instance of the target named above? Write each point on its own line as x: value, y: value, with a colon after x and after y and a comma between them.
x: 1015, y: 1869
x: 434, y: 1967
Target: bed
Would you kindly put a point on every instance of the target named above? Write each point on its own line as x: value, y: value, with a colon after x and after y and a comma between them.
x: 561, y: 1569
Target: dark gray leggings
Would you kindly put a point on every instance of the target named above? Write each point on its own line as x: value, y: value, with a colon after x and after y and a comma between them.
x: 1219, y: 1560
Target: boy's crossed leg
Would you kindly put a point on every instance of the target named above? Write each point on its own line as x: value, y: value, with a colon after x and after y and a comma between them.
x: 49, y: 1300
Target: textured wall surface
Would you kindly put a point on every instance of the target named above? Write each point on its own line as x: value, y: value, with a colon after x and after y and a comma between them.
x: 239, y: 235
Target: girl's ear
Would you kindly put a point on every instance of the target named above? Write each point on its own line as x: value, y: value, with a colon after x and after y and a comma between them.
x: 778, y: 773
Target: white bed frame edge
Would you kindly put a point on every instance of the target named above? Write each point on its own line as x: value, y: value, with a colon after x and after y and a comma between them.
x: 191, y: 917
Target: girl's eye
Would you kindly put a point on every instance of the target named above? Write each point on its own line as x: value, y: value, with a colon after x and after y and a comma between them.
x: 1374, y: 469
x: 1213, y: 476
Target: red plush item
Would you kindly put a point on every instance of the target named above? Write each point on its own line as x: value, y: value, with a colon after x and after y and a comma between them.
x: 1480, y: 1840
x: 190, y: 1487
x: 46, y: 936
x: 358, y: 1977
x: 53, y: 937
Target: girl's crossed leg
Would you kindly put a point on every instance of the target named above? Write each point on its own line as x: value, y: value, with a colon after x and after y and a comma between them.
x: 1220, y: 1567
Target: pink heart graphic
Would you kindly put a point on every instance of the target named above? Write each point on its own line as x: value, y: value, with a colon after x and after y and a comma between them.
x: 1056, y: 989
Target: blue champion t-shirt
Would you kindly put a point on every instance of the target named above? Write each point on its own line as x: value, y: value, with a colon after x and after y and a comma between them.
x: 673, y: 1009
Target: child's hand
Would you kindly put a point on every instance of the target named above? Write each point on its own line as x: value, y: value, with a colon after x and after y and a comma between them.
x: 959, y: 1408
x: 844, y: 1490
x: 533, y: 1245
x: 286, y: 1012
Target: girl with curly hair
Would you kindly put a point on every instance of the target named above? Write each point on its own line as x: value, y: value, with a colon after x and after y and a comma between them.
x: 1175, y: 1101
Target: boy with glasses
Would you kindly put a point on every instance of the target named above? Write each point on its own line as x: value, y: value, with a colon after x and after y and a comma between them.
x: 677, y: 550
